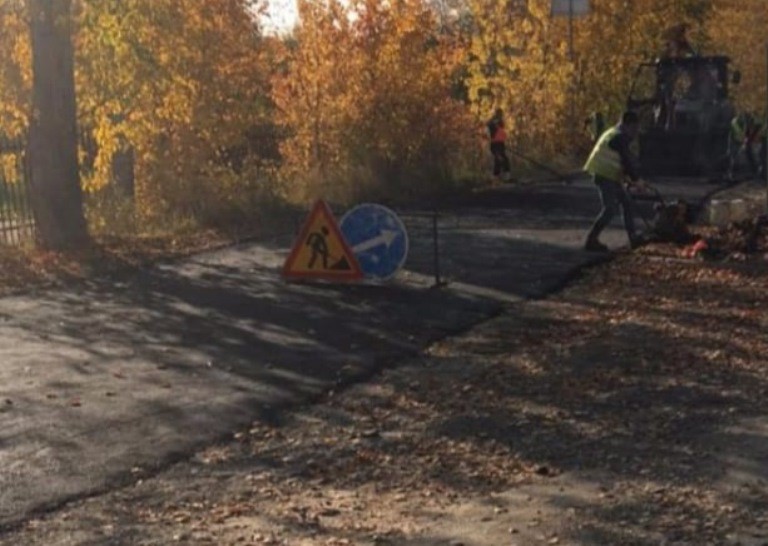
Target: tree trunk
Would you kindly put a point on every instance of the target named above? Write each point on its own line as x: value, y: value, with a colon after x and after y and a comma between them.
x: 57, y: 197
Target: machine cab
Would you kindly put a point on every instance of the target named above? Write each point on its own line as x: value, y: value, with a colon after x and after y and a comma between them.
x: 685, y: 115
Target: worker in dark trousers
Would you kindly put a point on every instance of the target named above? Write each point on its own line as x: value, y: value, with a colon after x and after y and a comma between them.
x: 610, y: 163
x: 498, y: 135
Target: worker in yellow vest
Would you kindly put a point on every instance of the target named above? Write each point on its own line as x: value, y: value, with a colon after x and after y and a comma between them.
x: 610, y: 164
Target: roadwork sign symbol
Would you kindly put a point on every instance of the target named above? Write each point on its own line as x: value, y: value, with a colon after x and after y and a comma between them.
x: 320, y: 252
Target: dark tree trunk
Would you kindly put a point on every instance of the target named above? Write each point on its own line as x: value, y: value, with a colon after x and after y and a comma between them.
x: 57, y: 197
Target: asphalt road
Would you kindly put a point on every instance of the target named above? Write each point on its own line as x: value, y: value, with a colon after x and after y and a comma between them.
x: 106, y: 381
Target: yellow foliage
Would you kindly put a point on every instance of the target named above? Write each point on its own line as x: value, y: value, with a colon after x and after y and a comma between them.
x: 739, y: 28
x: 367, y: 100
x: 177, y: 80
x: 520, y: 61
x: 15, y: 69
x: 367, y: 95
x: 9, y: 168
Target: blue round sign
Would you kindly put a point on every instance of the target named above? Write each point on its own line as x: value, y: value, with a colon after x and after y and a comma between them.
x: 378, y: 238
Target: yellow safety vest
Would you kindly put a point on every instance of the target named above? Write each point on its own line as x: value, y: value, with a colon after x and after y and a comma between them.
x: 604, y: 161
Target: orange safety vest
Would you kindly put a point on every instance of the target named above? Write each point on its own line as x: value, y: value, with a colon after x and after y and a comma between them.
x: 500, y: 135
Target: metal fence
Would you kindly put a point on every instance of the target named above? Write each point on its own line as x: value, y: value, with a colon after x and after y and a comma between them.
x: 17, y: 223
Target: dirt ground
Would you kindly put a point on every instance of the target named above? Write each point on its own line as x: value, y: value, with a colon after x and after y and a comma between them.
x: 630, y: 409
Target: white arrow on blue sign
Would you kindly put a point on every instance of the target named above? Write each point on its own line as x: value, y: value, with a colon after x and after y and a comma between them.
x: 378, y: 238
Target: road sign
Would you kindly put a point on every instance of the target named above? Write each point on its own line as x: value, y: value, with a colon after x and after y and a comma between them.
x: 320, y: 252
x: 570, y: 8
x: 378, y: 238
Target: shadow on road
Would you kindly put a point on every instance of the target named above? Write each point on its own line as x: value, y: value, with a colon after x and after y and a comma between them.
x: 140, y: 370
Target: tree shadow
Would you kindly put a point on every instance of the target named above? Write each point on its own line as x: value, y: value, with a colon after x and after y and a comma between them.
x: 196, y: 349
x: 636, y: 402
x: 169, y: 359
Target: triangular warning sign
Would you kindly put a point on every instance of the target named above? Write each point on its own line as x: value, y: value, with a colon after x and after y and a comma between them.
x: 321, y: 252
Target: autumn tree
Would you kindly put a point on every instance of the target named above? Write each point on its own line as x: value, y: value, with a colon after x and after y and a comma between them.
x: 520, y: 60
x: 367, y: 97
x: 180, y: 82
x: 364, y: 98
x: 181, y: 85
x: 411, y: 121
x: 740, y: 30
x: 15, y: 69
x: 53, y: 160
x: 616, y: 37
x: 312, y: 93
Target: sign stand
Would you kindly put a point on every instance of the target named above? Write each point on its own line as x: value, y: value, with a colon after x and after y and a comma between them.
x: 439, y: 282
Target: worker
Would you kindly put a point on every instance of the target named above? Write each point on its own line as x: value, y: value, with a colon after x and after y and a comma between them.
x: 498, y: 136
x: 758, y: 138
x: 610, y: 163
x: 737, y: 140
x: 745, y: 133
